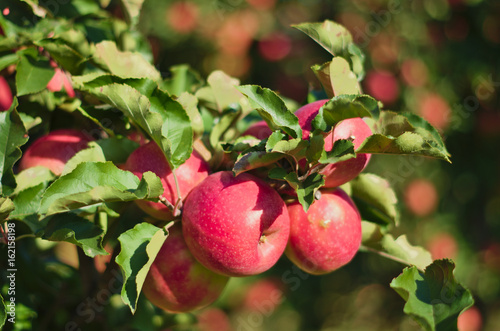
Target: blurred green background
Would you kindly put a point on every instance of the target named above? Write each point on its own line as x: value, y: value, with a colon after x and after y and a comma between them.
x: 437, y: 58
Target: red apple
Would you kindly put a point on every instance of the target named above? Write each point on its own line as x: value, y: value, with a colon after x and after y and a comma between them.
x: 235, y: 226
x: 326, y: 237
x: 5, y: 95
x: 176, y: 282
x: 259, y: 130
x: 352, y: 128
x: 54, y: 150
x: 341, y: 172
x: 149, y: 157
x: 59, y: 80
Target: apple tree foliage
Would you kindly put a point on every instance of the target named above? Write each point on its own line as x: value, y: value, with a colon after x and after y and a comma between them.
x: 119, y: 91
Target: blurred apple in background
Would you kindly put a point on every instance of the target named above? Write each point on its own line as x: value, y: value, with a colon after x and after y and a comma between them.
x: 421, y: 197
x: 435, y: 110
x: 382, y: 85
x: 414, y: 72
x: 275, y: 46
x: 264, y: 294
x: 213, y: 319
x: 470, y: 320
x: 182, y: 16
x: 443, y: 245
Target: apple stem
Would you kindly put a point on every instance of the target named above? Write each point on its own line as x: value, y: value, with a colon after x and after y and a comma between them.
x: 386, y: 255
x: 167, y: 203
x: 169, y: 225
x: 177, y: 187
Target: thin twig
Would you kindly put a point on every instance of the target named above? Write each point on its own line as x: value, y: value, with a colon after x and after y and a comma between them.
x: 386, y: 255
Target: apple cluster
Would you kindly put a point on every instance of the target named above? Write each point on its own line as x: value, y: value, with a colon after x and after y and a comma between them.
x: 232, y: 226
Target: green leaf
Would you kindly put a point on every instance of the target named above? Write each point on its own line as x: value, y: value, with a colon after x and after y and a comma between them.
x: 330, y: 35
x: 30, y: 122
x: 224, y: 92
x: 342, y: 150
x: 117, y: 149
x: 76, y: 230
x: 139, y: 247
x: 434, y: 298
x: 32, y: 75
x: 93, y: 153
x: 375, y: 199
x: 183, y: 79
x: 226, y: 121
x: 132, y: 10
x: 273, y: 139
x: 316, y: 146
x: 124, y: 64
x: 402, y: 249
x: 404, y: 134
x: 190, y: 103
x: 343, y: 107
x: 93, y: 182
x: 272, y: 109
x: 37, y: 10
x: 294, y: 147
x: 32, y: 177
x: 306, y: 189
x: 8, y: 59
x: 6, y: 207
x: 12, y: 136
x: 158, y: 114
x: 66, y: 56
x: 337, y: 40
x: 337, y: 77
x: 27, y: 204
x: 255, y: 160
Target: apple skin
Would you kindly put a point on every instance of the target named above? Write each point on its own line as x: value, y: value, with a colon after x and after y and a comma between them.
x: 60, y: 80
x: 340, y: 173
x: 5, y: 95
x: 235, y: 226
x: 326, y: 237
x: 54, y: 150
x: 149, y: 157
x: 259, y: 130
x: 176, y: 282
